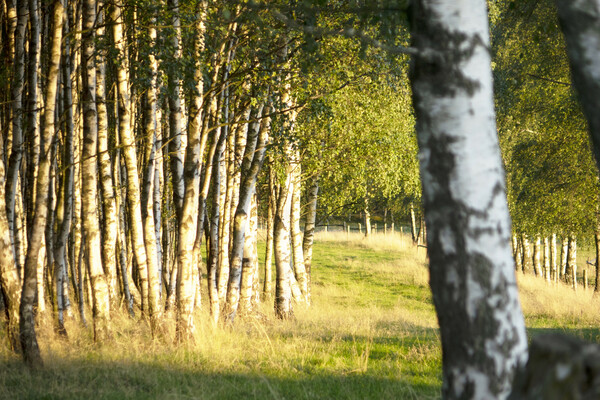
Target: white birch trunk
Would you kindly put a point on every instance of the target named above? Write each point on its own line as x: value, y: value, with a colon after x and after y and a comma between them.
x: 553, y: 259
x: 537, y: 256
x: 281, y: 239
x: 472, y: 271
x: 189, y: 217
x: 299, y: 267
x: 91, y: 221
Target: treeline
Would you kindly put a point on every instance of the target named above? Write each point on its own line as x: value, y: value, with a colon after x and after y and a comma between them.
x: 134, y: 134
x: 552, y: 179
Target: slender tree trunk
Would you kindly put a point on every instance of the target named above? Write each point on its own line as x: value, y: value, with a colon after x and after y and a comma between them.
x: 149, y: 299
x: 471, y: 267
x: 109, y: 206
x: 553, y: 259
x: 31, y: 351
x: 251, y: 165
x: 10, y: 284
x: 309, y: 229
x: 281, y: 239
x: 571, y: 269
x: 546, y: 259
x: 189, y: 217
x: 213, y: 253
x: 249, y: 261
x: 527, y: 257
x: 537, y: 256
x: 413, y: 224
x: 299, y: 267
x: 367, y: 218
x: 91, y: 225
x: 267, y: 285
x: 16, y: 155
x: 564, y: 252
x: 597, y: 263
x: 66, y: 200
x: 176, y: 144
x: 518, y: 252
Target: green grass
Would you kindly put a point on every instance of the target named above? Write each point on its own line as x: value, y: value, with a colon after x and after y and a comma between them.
x: 371, y: 332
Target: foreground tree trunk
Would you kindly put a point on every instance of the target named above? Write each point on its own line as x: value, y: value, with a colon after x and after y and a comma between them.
x: 472, y: 276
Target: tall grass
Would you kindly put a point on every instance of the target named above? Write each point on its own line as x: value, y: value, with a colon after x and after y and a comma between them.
x: 371, y: 332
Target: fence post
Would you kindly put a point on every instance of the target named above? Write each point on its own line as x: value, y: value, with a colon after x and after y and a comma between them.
x: 359, y: 227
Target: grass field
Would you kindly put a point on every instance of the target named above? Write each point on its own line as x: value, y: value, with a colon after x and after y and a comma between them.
x: 371, y: 332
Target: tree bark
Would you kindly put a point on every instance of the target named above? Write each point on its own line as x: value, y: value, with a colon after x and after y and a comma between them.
x: 268, y: 283
x: 251, y: 165
x: 309, y: 229
x: 298, y: 256
x: 109, y: 207
x: 189, y: 216
x: 29, y: 345
x: 472, y: 272
x: 16, y: 155
x: 91, y: 224
x: 149, y: 298
x: 9, y: 276
x: 537, y: 256
x: 281, y: 239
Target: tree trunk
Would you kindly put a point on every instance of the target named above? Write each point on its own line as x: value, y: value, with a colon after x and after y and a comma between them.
x: 309, y: 229
x: 250, y: 261
x: 109, y: 207
x: 10, y: 284
x: 299, y: 267
x: 91, y: 225
x: 268, y: 283
x: 472, y: 277
x: 413, y: 224
x: 537, y: 256
x: 189, y: 216
x: 553, y: 259
x: 281, y: 239
x: 29, y: 345
x: 213, y: 253
x: 149, y: 299
x: 518, y: 252
x: 16, y: 155
x: 527, y: 258
x: 176, y: 144
x: 564, y: 252
x: 571, y: 269
x: 251, y: 165
x: 546, y: 259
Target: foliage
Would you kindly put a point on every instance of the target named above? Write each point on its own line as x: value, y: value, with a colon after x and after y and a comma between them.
x: 552, y: 181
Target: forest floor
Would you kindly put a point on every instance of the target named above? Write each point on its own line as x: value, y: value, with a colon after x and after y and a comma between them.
x: 371, y: 332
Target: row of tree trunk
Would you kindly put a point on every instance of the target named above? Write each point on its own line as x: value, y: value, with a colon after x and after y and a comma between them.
x: 109, y: 189
x: 550, y: 258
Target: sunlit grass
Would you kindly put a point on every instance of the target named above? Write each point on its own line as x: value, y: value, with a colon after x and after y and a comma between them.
x: 371, y: 332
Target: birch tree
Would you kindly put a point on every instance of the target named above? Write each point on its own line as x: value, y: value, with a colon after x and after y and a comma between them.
x: 91, y: 221
x: 30, y: 348
x: 472, y: 277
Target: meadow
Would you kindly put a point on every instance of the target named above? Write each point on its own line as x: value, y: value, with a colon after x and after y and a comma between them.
x: 371, y: 332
